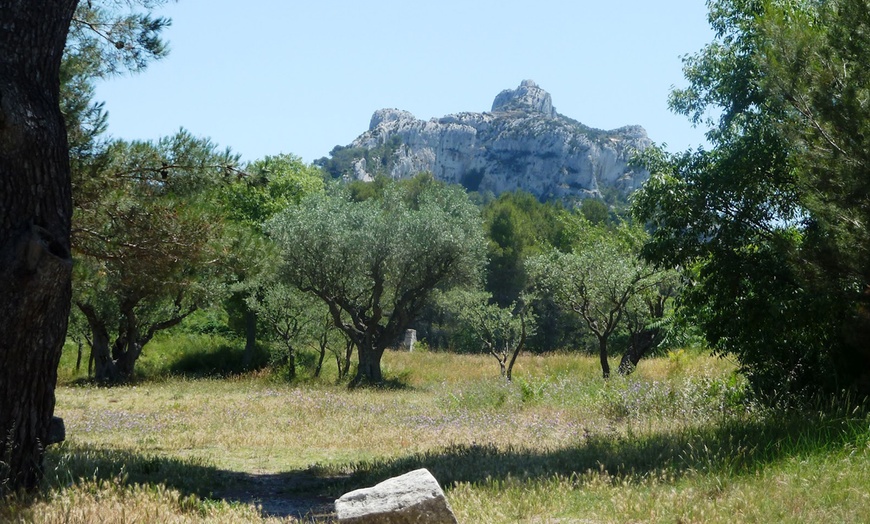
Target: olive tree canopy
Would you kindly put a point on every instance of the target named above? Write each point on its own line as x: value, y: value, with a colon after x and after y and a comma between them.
x: 375, y: 263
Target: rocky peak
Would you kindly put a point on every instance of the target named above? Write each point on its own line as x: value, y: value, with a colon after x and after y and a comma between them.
x: 527, y: 97
x: 389, y: 115
x: 523, y: 143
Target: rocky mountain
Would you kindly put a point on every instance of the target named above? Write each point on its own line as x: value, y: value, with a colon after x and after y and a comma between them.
x: 521, y: 143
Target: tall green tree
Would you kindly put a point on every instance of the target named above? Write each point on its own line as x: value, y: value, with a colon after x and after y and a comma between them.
x: 375, y: 263
x: 518, y: 226
x: 268, y: 186
x: 150, y: 246
x: 772, y: 222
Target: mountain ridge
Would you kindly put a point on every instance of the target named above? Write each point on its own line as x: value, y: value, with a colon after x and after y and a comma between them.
x: 521, y: 143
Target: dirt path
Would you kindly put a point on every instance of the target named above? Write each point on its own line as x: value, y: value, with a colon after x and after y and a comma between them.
x: 297, y: 494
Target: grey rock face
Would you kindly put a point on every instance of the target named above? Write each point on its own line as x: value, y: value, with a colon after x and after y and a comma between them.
x: 523, y: 143
x: 412, y: 497
x: 527, y: 97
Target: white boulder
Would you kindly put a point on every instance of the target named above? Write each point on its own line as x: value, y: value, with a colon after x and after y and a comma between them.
x: 412, y: 497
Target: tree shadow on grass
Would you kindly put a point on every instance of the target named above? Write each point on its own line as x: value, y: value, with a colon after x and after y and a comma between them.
x: 224, y: 360
x: 397, y: 382
x: 299, y: 494
x: 218, y: 361
x: 731, y: 448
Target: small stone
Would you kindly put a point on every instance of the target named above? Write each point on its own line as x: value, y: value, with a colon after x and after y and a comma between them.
x: 410, y: 340
x: 56, y: 431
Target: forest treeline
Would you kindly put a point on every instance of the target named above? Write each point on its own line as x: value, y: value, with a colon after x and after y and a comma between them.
x: 757, y: 247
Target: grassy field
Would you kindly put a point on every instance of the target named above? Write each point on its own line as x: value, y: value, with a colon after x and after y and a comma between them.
x: 675, y: 442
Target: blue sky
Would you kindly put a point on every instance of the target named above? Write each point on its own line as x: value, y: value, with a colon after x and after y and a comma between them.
x: 284, y: 76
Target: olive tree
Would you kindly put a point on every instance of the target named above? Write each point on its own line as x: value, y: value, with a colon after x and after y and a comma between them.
x: 500, y: 331
x: 375, y: 263
x: 597, y: 281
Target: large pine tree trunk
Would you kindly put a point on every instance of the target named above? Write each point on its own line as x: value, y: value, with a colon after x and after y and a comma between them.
x: 35, y: 211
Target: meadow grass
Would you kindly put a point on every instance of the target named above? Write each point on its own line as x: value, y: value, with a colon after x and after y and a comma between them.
x: 677, y: 441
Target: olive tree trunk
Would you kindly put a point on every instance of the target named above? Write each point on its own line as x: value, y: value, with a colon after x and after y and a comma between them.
x: 602, y: 356
x: 369, y: 370
x: 35, y: 212
x: 639, y: 345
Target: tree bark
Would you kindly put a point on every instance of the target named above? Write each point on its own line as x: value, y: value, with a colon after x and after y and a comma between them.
x: 35, y: 213
x: 101, y: 356
x: 250, y: 337
x: 518, y: 349
x: 639, y: 344
x: 126, y: 361
x: 348, y: 354
x: 291, y: 363
x: 369, y: 370
x: 79, y: 346
x: 323, y: 345
x: 602, y: 355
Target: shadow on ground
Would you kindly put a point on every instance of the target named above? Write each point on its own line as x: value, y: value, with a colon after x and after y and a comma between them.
x: 733, y: 447
x: 300, y: 494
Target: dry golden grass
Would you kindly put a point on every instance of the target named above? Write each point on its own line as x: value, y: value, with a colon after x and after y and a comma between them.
x: 113, y: 502
x: 675, y: 442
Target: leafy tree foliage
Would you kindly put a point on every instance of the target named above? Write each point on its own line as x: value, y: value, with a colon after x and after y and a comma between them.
x: 148, y: 244
x: 375, y: 263
x: 599, y: 281
x: 772, y: 223
x: 518, y: 226
x: 267, y: 186
x: 595, y: 211
x: 500, y: 331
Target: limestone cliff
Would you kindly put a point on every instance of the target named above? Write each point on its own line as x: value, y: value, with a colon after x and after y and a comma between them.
x: 522, y: 143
